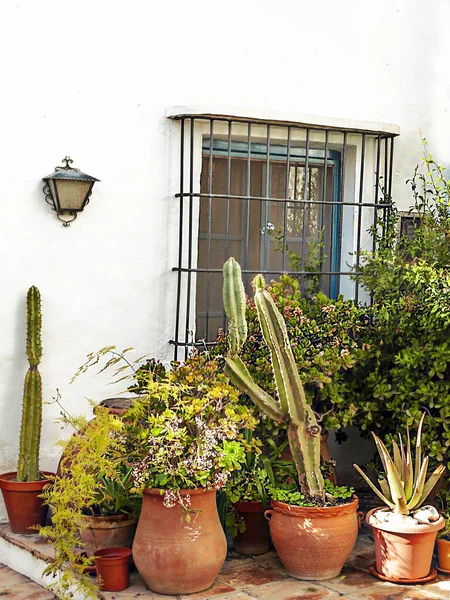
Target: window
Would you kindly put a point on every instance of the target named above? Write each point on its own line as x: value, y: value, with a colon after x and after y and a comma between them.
x: 260, y: 191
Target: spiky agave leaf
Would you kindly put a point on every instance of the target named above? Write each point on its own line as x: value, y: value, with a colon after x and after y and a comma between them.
x: 385, y: 488
x: 419, y: 448
x: 419, y: 485
x: 409, y: 474
x: 395, y: 483
x: 397, y: 456
x: 374, y: 487
x: 432, y: 481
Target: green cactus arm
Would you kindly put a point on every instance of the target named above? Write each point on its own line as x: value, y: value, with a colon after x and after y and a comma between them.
x: 393, y: 477
x: 287, y: 380
x: 239, y: 375
x: 34, y: 323
x: 305, y: 451
x: 374, y: 488
x: 234, y: 304
x: 432, y: 481
x: 303, y: 431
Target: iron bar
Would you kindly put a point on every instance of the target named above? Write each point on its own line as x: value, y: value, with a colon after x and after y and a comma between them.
x: 271, y: 199
x: 286, y: 195
x: 208, y: 249
x: 247, y: 199
x: 305, y: 200
x: 180, y: 240
x: 361, y: 196
x: 191, y: 190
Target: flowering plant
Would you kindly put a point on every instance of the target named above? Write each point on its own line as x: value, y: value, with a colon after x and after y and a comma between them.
x: 185, y: 432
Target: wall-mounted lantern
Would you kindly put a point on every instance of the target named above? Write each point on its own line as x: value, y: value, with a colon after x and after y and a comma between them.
x: 67, y: 190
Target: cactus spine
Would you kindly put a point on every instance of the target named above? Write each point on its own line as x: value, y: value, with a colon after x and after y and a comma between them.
x: 30, y: 432
x: 291, y: 407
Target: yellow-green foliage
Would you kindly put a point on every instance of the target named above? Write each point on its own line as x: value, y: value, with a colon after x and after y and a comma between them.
x: 96, y: 448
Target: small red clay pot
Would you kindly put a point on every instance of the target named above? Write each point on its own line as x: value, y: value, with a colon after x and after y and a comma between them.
x: 405, y: 554
x: 172, y: 555
x: 256, y: 537
x: 113, y: 568
x: 313, y: 543
x: 108, y: 532
x: 444, y: 554
x: 24, y: 507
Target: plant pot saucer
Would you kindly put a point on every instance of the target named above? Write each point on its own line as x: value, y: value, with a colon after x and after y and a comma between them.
x: 431, y: 575
x: 441, y: 570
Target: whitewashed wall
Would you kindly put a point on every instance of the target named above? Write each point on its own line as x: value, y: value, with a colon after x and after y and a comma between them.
x: 93, y: 79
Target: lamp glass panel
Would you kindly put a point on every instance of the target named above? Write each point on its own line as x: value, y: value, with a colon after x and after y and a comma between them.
x: 72, y: 194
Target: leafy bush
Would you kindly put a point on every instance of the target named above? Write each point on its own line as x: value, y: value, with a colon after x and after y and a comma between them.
x: 405, y: 368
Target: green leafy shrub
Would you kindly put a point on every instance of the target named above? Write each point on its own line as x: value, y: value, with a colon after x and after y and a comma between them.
x: 404, y: 369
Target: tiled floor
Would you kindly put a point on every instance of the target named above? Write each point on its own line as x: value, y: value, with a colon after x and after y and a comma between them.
x: 260, y: 578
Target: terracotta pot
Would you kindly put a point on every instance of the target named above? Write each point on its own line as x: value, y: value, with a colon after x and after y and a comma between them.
x: 313, y: 543
x: 444, y: 554
x: 113, y: 568
x: 256, y: 537
x: 176, y: 557
x: 24, y: 507
x: 405, y: 554
x: 108, y: 532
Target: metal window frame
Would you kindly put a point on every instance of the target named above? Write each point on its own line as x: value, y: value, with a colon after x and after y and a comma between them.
x: 189, y: 148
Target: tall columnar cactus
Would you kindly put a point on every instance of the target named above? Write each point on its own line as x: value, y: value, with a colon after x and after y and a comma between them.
x: 291, y: 406
x: 30, y: 432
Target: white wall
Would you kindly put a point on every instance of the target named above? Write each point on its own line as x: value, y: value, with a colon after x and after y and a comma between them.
x: 93, y: 79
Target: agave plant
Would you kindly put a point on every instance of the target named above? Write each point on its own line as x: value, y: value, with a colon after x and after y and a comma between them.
x: 405, y: 486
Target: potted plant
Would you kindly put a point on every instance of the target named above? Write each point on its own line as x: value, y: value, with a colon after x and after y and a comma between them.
x: 110, y: 516
x: 92, y: 500
x: 248, y: 493
x: 315, y: 534
x: 404, y: 532
x: 182, y: 440
x: 22, y: 489
x: 443, y: 541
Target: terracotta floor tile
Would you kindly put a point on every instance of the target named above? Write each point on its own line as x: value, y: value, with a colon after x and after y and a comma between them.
x: 352, y: 580
x: 10, y: 577
x: 251, y: 575
x: 215, y: 590
x: 237, y: 562
x: 397, y: 593
x: 293, y: 589
x: 25, y: 591
x: 440, y: 586
x: 234, y: 596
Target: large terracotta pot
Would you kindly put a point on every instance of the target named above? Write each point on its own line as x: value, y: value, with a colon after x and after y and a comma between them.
x: 313, y: 543
x: 444, y: 554
x: 172, y: 555
x: 24, y: 507
x: 405, y: 554
x: 108, y: 532
x: 256, y: 537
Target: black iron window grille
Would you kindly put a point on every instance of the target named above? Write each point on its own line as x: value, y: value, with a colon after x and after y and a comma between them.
x: 265, y: 192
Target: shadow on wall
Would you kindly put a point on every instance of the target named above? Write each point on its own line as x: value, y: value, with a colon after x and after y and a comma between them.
x: 345, y: 455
